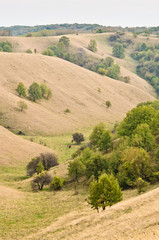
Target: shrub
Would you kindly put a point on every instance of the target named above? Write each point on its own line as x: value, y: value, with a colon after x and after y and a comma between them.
x: 96, y: 134
x: 101, y: 71
x: 22, y: 105
x: 67, y: 110
x: 35, y: 91
x: 78, y: 137
x: 48, y: 52
x: 56, y: 184
x: 105, y: 143
x: 118, y: 50
x: 76, y: 169
x: 104, y: 192
x: 48, y: 160
x: 40, y: 180
x: 108, y: 104
x: 65, y: 40
x: 28, y: 51
x: 44, y: 90
x: 21, y: 90
x: 92, y: 46
x: 141, y: 185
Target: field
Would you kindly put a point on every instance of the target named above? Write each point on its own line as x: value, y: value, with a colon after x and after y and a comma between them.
x: 65, y: 214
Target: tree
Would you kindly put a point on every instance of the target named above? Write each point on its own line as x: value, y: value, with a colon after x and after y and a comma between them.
x: 118, y: 50
x: 22, y: 105
x: 141, y: 185
x: 65, y: 40
x: 48, y: 160
x: 44, y: 90
x: 143, y: 138
x: 76, y: 169
x: 113, y: 71
x: 78, y: 137
x: 28, y: 51
x: 95, y: 136
x: 56, y: 184
x: 108, y: 104
x: 21, y: 90
x: 104, y: 192
x: 96, y: 165
x: 49, y: 94
x: 48, y: 52
x: 35, y: 91
x: 40, y: 180
x: 135, y: 163
x: 105, y: 142
x: 138, y: 115
x: 40, y: 167
x: 92, y: 46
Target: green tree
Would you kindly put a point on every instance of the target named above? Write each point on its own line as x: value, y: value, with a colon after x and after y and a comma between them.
x: 22, y: 105
x: 143, y: 138
x: 35, y: 91
x: 118, y: 50
x: 141, y: 185
x: 105, y: 142
x: 135, y: 163
x: 113, y: 71
x: 44, y: 90
x: 95, y: 136
x: 108, y: 104
x: 28, y: 51
x: 92, y: 46
x: 96, y: 165
x: 104, y: 192
x: 21, y: 90
x: 40, y: 167
x: 40, y: 180
x: 48, y: 52
x: 138, y: 115
x: 49, y: 94
x: 56, y: 184
x: 76, y: 169
x: 65, y: 40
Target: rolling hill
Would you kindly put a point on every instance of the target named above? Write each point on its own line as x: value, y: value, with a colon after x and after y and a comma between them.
x: 73, y: 87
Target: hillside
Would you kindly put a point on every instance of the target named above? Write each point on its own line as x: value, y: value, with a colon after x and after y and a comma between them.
x: 134, y: 219
x: 73, y: 87
x: 16, y: 151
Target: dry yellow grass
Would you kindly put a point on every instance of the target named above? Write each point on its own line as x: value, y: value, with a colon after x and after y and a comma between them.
x: 16, y: 151
x: 73, y: 87
x: 133, y: 219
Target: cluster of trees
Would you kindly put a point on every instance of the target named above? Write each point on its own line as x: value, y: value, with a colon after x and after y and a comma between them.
x: 130, y: 157
x: 102, y: 66
x: 5, y: 46
x: 119, y: 37
x: 35, y: 91
x: 148, y: 63
x: 38, y: 168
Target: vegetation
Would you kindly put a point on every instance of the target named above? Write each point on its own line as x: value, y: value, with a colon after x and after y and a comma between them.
x: 104, y: 192
x: 78, y: 137
x: 34, y: 91
x: 5, y: 46
x: 29, y: 51
x: 118, y: 50
x: 43, y: 162
x: 108, y: 104
x: 76, y: 169
x: 21, y: 90
x: 92, y: 46
x: 40, y: 180
x: 22, y: 105
x: 56, y: 184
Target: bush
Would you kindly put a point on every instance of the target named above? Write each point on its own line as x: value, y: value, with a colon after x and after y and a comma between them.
x: 48, y: 52
x: 118, y: 50
x: 92, y: 46
x: 78, y: 137
x: 28, y: 51
x: 104, y: 192
x: 95, y: 136
x: 48, y: 160
x: 67, y: 110
x: 108, y: 104
x: 22, y: 105
x: 5, y: 46
x: 141, y: 185
x: 40, y: 180
x: 76, y: 169
x: 21, y: 90
x: 35, y: 91
x: 65, y: 40
x: 56, y: 184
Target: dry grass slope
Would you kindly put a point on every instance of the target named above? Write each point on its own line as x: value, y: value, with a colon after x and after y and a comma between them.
x: 73, y: 87
x: 16, y: 151
x: 134, y: 219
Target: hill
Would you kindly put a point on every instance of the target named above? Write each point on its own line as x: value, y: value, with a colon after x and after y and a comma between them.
x: 133, y: 219
x: 15, y: 151
x: 73, y: 87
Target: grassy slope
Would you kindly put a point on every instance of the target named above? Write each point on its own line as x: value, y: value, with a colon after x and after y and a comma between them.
x: 73, y: 87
